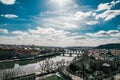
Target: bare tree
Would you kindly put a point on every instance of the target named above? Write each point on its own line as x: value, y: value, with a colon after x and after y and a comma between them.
x: 10, y: 73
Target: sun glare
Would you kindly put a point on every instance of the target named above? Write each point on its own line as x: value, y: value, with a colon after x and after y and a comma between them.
x: 60, y: 3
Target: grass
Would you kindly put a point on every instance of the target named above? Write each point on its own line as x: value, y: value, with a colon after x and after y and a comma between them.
x: 53, y: 77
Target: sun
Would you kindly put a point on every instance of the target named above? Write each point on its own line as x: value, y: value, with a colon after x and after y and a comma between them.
x: 60, y: 3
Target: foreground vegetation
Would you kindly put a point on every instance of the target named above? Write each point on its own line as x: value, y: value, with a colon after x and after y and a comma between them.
x: 91, y: 69
x: 53, y: 77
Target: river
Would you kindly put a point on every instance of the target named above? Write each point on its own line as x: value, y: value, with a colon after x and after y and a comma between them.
x: 32, y: 66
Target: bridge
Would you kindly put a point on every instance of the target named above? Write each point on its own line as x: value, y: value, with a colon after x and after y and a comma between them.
x: 75, y: 52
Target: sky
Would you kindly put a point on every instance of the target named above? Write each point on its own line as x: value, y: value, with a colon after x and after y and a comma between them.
x: 59, y: 22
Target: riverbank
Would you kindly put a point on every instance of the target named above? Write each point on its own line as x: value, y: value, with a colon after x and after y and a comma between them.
x: 31, y: 58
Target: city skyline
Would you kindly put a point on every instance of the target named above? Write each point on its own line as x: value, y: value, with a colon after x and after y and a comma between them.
x: 59, y: 22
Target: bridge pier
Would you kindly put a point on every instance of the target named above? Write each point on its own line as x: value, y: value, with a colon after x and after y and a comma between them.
x: 63, y: 54
x: 71, y: 52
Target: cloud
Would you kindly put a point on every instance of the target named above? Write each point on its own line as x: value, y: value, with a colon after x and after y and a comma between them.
x: 98, y: 34
x: 45, y: 33
x: 92, y: 22
x: 8, y: 2
x: 39, y: 36
x: 55, y: 37
x: 36, y: 40
x: 70, y: 26
x: 102, y: 33
x: 104, y: 6
x: 108, y: 15
x: 63, y: 20
x: 49, y: 32
x: 9, y: 16
x: 98, y: 41
x: 78, y: 37
x: 64, y: 27
x: 5, y: 31
x: 82, y: 15
x: 107, y: 6
x: 77, y: 18
x: 19, y: 33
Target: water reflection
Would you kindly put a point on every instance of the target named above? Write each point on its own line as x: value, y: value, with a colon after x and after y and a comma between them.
x: 32, y: 66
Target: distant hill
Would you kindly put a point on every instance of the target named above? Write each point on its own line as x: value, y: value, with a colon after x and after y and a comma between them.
x: 109, y: 46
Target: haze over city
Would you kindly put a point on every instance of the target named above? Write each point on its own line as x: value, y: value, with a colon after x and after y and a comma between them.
x: 59, y: 22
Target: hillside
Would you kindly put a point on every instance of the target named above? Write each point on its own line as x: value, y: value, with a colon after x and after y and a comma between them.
x: 109, y: 46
